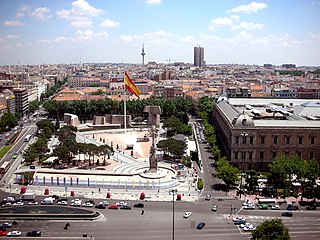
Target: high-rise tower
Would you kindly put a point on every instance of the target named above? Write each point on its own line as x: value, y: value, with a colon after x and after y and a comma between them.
x: 199, y: 56
x: 142, y: 54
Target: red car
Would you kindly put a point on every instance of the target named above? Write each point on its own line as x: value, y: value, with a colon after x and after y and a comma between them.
x: 113, y: 207
x: 3, y: 233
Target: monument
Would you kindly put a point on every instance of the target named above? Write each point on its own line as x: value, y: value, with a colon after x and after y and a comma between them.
x: 154, y: 115
x: 153, y: 163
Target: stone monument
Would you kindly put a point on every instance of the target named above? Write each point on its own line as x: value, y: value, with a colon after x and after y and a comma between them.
x: 153, y: 163
x: 154, y: 114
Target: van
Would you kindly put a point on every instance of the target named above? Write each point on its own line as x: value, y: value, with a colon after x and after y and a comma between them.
x: 47, y: 201
x: 28, y: 196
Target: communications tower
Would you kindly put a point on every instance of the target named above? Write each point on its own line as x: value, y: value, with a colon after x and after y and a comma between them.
x: 142, y: 54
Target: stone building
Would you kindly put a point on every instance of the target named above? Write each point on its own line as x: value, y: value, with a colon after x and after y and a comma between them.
x: 254, y: 131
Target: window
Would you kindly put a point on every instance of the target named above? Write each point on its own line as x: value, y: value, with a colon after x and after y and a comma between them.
x: 287, y: 139
x: 237, y: 140
x: 250, y: 155
x: 261, y: 155
x: 299, y: 154
x: 300, y: 139
x: 312, y: 139
x: 275, y: 139
x: 262, y: 139
x: 244, y: 140
x: 236, y: 155
x: 311, y: 155
x: 286, y: 152
x: 274, y: 154
x: 251, y: 140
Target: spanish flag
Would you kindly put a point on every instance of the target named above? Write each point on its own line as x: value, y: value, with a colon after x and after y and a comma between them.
x: 130, y: 86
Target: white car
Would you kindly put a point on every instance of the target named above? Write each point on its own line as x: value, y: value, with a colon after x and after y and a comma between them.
x: 62, y: 202
x: 187, y: 214
x: 250, y: 228
x: 18, y: 203
x: 238, y: 219
x: 104, y: 203
x: 275, y: 207
x: 245, y: 225
x: 121, y: 203
x: 76, y: 203
x: 87, y: 204
x: 33, y: 203
x: 251, y: 207
x: 214, y: 208
x: 247, y: 203
x: 14, y: 234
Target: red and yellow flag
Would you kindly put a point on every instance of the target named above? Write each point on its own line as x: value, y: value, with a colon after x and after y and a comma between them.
x: 130, y: 86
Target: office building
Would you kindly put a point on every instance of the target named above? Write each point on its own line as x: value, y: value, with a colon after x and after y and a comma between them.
x: 199, y: 56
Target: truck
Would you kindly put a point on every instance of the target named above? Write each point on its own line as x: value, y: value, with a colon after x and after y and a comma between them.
x: 28, y: 196
x: 47, y: 201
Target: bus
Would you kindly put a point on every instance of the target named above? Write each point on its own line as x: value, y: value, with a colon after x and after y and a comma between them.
x: 267, y: 201
x: 27, y: 138
x: 4, y: 167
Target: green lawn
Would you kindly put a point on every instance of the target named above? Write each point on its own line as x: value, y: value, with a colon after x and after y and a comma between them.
x: 4, y: 150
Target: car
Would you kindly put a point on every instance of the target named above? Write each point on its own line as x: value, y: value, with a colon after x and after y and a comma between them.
x: 113, y: 207
x: 138, y: 205
x: 121, y: 203
x: 214, y: 208
x: 275, y: 207
x: 247, y: 203
x: 62, y: 202
x: 14, y: 156
x: 263, y: 206
x: 7, y: 204
x: 292, y: 207
x: 249, y: 228
x: 100, y: 206
x: 104, y: 203
x: 33, y: 203
x: 55, y: 197
x: 6, y: 225
x: 14, y: 234
x: 76, y: 202
x: 200, y: 225
x: 249, y: 207
x: 34, y: 234
x: 239, y: 220
x: 127, y: 207
x: 208, y: 198
x: 18, y: 203
x: 311, y: 207
x: 9, y: 199
x: 187, y: 214
x: 286, y: 214
x: 3, y: 233
x: 247, y: 224
x: 88, y: 204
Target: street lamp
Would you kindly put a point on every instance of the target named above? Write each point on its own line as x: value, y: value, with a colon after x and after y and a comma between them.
x: 244, y: 138
x: 173, y: 191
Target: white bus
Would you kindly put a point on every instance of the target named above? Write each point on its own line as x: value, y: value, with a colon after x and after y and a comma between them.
x: 27, y: 138
x: 4, y: 167
x: 267, y: 201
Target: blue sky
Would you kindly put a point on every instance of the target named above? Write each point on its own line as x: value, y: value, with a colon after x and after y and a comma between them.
x: 231, y: 31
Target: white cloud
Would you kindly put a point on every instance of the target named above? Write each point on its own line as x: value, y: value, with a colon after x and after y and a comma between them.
x: 107, y: 23
x: 79, y: 36
x: 80, y: 15
x: 153, y: 1
x: 250, y: 25
x: 15, y: 23
x: 11, y: 36
x: 249, y: 8
x: 126, y: 38
x: 22, y: 11
x: 41, y: 13
x: 233, y: 23
x: 216, y: 23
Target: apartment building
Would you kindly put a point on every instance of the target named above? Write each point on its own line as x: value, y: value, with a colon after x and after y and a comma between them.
x: 254, y: 131
x: 21, y: 100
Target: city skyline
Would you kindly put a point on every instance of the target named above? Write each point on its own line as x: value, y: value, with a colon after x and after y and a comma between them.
x: 239, y: 32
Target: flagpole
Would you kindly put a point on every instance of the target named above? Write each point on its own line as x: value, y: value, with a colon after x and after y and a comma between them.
x: 125, y: 105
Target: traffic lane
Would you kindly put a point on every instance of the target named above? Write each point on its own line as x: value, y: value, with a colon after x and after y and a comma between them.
x: 277, y: 213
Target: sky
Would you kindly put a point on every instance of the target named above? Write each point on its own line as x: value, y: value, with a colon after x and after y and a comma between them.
x: 114, y: 31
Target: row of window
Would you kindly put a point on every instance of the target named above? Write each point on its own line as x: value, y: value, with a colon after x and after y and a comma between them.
x: 287, y: 139
x: 239, y: 155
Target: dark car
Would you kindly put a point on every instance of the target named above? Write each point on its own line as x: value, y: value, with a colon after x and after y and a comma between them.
x: 34, y: 234
x: 286, y: 214
x: 311, y: 207
x: 56, y: 197
x: 127, y: 207
x: 138, y: 205
x: 200, y: 225
x: 292, y: 207
x: 101, y: 206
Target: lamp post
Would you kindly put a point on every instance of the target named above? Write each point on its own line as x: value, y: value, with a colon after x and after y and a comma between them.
x: 244, y: 138
x: 173, y: 191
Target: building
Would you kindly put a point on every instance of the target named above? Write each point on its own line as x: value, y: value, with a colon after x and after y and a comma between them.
x: 198, y: 56
x: 254, y: 131
x: 21, y: 100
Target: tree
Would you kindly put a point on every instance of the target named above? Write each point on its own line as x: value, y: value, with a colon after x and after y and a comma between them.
x: 226, y: 172
x: 172, y: 147
x: 271, y: 229
x: 251, y: 180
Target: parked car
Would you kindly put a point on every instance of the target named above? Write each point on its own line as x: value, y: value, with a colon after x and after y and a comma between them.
x: 275, y: 207
x: 263, y: 206
x: 113, y: 207
x: 62, y: 202
x: 88, y: 204
x: 14, y: 234
x: 18, y: 203
x: 3, y: 233
x: 100, y: 206
x: 127, y: 207
x: 286, y: 214
x: 187, y: 214
x: 200, y: 225
x: 33, y: 203
x: 138, y: 205
x: 76, y: 202
x: 121, y: 203
x: 104, y: 203
x: 292, y: 207
x: 6, y: 225
x: 34, y: 234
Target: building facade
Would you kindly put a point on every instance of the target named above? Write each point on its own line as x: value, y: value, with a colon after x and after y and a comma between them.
x: 255, y: 131
x: 199, y: 56
x: 21, y: 100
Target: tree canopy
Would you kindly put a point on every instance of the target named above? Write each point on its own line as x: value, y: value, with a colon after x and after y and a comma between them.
x: 172, y: 147
x: 271, y: 229
x: 226, y: 172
